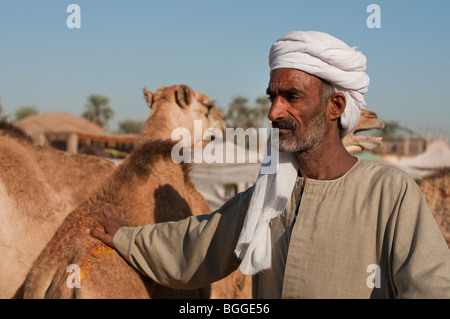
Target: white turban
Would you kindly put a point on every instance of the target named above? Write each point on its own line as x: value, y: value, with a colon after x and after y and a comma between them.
x: 328, y: 58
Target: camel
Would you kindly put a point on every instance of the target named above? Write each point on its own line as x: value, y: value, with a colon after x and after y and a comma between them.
x: 170, y: 110
x: 436, y: 189
x: 150, y: 187
x: 39, y: 186
x: 358, y: 143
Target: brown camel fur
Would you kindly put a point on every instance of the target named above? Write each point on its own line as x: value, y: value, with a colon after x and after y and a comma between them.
x: 142, y: 186
x: 150, y: 188
x: 436, y: 188
x: 39, y: 186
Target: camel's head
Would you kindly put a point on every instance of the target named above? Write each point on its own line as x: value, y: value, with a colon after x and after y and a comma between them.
x: 179, y: 106
x: 358, y: 143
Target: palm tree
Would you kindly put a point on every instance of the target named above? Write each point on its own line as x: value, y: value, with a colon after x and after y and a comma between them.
x: 24, y: 111
x: 262, y: 110
x: 98, y: 110
x: 1, y: 110
x: 240, y: 114
x: 130, y: 127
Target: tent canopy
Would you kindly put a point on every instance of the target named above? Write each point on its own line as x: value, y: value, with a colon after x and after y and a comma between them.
x: 437, y: 155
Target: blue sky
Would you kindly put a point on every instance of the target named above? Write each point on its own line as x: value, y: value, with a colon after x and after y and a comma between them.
x: 218, y: 48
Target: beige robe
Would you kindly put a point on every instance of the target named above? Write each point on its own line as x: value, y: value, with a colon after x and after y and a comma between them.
x: 367, y: 234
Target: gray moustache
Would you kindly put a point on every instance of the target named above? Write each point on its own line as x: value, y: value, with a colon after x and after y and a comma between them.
x: 284, y: 124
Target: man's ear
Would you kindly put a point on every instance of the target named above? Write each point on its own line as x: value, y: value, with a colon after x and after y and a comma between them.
x: 337, y: 105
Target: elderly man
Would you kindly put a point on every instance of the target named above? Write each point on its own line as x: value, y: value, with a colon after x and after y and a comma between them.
x: 325, y: 224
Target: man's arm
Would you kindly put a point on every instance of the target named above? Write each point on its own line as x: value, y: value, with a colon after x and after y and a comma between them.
x: 186, y: 254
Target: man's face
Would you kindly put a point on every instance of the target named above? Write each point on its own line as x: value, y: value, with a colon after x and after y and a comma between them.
x: 297, y: 109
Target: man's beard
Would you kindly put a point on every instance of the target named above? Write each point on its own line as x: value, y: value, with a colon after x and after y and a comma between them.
x: 296, y: 141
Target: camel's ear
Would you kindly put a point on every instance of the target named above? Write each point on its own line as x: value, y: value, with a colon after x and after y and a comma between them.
x: 183, y: 96
x: 148, y: 97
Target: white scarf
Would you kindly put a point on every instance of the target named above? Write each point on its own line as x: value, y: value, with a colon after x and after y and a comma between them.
x: 326, y: 57
x: 271, y: 193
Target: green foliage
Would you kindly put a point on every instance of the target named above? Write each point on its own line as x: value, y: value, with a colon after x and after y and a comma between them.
x: 130, y: 127
x: 2, y: 115
x: 98, y: 110
x: 241, y: 115
x: 24, y: 111
x: 393, y: 131
x: 390, y: 129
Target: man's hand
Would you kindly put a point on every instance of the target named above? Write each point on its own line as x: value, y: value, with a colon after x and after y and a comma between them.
x: 111, y: 219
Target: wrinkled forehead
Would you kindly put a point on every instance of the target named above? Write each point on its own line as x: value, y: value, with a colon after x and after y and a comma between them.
x: 288, y: 78
x: 289, y: 75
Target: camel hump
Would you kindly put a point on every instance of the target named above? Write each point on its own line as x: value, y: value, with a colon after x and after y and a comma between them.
x: 9, y: 129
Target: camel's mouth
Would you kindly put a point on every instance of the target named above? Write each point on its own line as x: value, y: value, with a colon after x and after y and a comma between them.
x: 369, y: 123
x: 356, y: 142
x: 368, y: 138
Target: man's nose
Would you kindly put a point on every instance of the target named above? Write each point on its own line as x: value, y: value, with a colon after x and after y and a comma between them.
x: 277, y: 111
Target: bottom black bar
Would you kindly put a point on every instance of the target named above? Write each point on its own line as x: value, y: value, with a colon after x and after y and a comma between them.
x: 260, y: 308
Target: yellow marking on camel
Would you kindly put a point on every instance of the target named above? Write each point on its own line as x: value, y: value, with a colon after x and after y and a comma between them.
x: 97, y: 253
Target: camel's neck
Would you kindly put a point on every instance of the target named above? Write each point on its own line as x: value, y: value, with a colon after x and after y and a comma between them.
x: 157, y: 133
x: 152, y: 187
x: 158, y: 126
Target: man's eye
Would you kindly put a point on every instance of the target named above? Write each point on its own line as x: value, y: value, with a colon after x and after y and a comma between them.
x: 293, y: 98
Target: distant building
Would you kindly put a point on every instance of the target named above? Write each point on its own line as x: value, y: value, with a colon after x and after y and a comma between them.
x: 402, y: 148
x: 75, y: 134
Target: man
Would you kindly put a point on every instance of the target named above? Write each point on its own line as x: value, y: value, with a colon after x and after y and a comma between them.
x: 326, y: 224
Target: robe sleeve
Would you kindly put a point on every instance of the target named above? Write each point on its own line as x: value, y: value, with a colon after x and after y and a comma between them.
x: 421, y: 257
x: 190, y: 253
